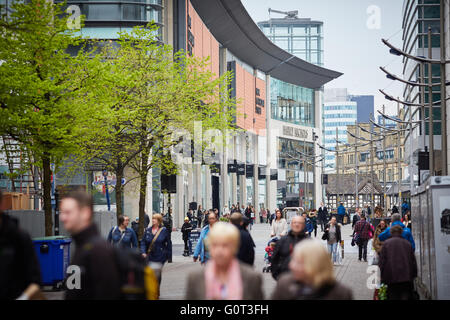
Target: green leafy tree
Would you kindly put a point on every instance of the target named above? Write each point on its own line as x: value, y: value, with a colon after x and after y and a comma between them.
x: 150, y: 96
x: 42, y: 86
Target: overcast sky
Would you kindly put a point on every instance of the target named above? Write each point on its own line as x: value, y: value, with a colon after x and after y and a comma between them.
x: 350, y: 46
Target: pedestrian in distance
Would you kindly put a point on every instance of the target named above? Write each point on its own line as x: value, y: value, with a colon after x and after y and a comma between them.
x: 121, y: 236
x: 224, y: 277
x: 398, y: 266
x: 310, y: 276
x: 186, y: 229
x: 135, y: 227
x: 201, y: 249
x: 168, y: 224
x: 279, y: 225
x: 406, y: 234
x: 309, y: 228
x: 333, y: 237
x: 283, y: 249
x: 268, y: 216
x: 405, y: 207
x: 322, y: 216
x: 262, y: 215
x: 356, y: 217
x: 100, y: 276
x: 394, y: 209
x: 19, y: 265
x: 376, y: 242
x: 406, y: 221
x: 246, y: 252
x: 155, y: 245
x: 341, y: 213
x: 363, y: 232
x: 313, y: 218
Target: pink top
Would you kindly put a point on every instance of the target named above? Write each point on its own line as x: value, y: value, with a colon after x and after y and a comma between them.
x: 231, y: 290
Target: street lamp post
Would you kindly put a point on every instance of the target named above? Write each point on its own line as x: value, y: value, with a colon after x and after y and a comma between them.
x: 384, y: 165
x: 371, y: 166
x: 337, y: 170
x: 356, y: 169
x: 430, y: 106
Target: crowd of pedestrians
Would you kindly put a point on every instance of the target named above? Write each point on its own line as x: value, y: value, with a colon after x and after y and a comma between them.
x: 301, y: 264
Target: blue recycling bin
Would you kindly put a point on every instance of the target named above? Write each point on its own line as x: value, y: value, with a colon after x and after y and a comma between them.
x: 54, y: 258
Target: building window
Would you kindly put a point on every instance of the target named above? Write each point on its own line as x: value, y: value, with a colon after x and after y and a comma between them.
x: 292, y: 103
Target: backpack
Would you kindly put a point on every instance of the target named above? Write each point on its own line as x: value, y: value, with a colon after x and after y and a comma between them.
x: 137, y: 280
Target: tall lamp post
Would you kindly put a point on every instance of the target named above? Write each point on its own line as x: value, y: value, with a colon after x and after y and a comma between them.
x: 443, y: 83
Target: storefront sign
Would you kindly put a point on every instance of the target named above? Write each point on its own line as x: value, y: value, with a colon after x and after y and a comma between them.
x: 295, y: 132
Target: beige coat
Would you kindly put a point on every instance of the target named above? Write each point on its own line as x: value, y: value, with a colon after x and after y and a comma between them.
x: 279, y: 228
x: 251, y: 283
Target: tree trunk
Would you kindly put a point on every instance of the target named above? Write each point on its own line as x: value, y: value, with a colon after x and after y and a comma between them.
x: 47, y: 196
x: 119, y: 192
x: 143, y: 190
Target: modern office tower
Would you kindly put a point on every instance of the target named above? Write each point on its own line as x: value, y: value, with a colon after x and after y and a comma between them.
x: 296, y: 105
x: 301, y: 37
x: 365, y: 107
x: 418, y: 16
x: 338, y: 112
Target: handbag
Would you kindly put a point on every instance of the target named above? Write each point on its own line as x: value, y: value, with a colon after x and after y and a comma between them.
x: 150, y: 247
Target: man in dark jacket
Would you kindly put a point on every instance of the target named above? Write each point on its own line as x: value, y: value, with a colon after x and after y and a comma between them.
x: 398, y: 266
x: 19, y: 266
x: 283, y: 250
x: 168, y: 223
x: 247, y: 246
x: 99, y: 274
x: 186, y: 229
x: 363, y: 229
x: 322, y: 216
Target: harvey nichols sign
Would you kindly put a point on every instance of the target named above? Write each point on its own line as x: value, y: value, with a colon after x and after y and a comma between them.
x: 295, y: 132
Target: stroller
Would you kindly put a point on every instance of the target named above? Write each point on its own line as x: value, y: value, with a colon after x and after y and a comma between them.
x: 268, y: 256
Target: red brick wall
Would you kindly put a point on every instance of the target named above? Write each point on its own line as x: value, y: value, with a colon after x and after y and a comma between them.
x: 246, y: 85
x: 205, y: 45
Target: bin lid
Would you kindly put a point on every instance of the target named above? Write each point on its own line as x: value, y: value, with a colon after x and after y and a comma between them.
x: 52, y: 238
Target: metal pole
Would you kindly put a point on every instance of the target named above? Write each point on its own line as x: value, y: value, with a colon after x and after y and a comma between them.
x: 337, y: 170
x: 304, y: 173
x: 430, y: 103
x: 399, y: 168
x: 422, y: 103
x: 356, y: 169
x: 443, y: 92
x: 411, y: 158
x: 384, y: 165
x: 371, y: 165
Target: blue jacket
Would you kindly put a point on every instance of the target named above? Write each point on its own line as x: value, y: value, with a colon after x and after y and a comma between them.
x: 386, y: 234
x: 129, y: 239
x: 405, y: 207
x: 160, y: 248
x: 200, y: 247
x: 309, y: 225
x: 341, y: 210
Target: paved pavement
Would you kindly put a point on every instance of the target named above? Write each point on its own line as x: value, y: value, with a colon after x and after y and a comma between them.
x: 351, y: 273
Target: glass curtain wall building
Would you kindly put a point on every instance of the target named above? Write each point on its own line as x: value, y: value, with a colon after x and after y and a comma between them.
x: 292, y: 103
x: 104, y: 19
x: 300, y: 36
x: 418, y: 16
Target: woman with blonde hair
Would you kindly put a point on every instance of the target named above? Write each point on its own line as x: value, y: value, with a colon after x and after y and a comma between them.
x: 311, y: 276
x: 155, y: 245
x: 224, y: 277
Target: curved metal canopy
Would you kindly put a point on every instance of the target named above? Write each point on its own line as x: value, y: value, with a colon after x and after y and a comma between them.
x: 232, y: 26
